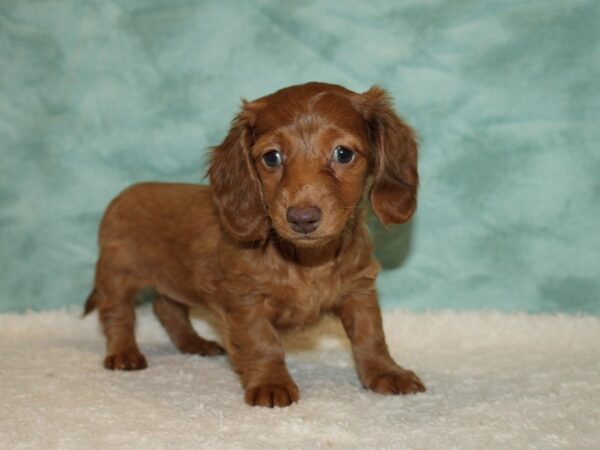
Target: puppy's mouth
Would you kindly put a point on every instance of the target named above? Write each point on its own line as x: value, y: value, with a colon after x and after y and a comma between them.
x: 310, y: 238
x: 302, y: 239
x: 313, y: 239
x: 305, y: 227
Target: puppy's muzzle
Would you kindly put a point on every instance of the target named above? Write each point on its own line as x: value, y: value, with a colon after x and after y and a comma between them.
x: 303, y: 220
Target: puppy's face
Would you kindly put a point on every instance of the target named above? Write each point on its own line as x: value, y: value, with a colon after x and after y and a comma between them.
x: 311, y: 153
x: 296, y: 162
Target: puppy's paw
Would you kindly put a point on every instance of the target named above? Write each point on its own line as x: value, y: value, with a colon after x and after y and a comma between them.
x: 397, y: 382
x: 129, y: 360
x: 272, y: 395
x: 202, y: 347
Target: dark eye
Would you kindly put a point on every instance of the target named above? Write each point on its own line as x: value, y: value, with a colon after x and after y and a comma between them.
x: 272, y: 158
x: 343, y: 155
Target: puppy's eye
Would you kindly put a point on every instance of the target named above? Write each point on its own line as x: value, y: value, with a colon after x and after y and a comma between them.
x: 272, y: 158
x: 343, y: 155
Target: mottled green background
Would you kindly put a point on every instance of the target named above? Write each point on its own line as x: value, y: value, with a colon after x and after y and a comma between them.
x: 95, y: 95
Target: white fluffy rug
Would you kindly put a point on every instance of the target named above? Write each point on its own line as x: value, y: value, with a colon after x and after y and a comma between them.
x: 494, y: 380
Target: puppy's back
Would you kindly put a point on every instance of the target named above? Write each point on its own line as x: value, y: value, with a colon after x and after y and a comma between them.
x: 150, y: 221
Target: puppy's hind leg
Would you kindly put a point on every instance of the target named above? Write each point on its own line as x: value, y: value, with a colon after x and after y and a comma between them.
x: 114, y: 297
x: 174, y: 316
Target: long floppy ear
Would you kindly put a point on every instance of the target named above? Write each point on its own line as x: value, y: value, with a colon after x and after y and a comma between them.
x: 396, y: 180
x: 236, y: 188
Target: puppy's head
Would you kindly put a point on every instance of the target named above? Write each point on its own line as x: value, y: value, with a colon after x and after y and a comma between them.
x: 298, y: 161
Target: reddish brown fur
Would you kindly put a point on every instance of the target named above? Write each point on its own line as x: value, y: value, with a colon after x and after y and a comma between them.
x: 230, y: 247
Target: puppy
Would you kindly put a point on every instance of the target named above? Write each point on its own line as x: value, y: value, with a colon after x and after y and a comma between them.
x: 277, y: 240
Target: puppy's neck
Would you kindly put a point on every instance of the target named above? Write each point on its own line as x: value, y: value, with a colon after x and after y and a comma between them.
x: 309, y: 256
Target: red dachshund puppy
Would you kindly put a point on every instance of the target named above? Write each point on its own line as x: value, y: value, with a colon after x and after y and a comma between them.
x: 277, y: 240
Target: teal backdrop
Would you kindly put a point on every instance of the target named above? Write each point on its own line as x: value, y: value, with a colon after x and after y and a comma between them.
x: 96, y: 95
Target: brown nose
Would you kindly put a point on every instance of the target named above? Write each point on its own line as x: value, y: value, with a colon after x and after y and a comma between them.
x: 303, y: 220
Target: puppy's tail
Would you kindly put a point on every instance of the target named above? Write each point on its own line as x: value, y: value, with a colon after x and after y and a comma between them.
x: 90, y: 303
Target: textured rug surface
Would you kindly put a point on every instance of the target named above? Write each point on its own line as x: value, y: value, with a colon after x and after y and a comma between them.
x: 494, y: 380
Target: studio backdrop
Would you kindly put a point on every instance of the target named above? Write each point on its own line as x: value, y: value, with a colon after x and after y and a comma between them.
x: 505, y: 96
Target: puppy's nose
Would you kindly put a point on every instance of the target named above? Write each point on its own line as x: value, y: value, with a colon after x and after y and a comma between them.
x: 303, y: 220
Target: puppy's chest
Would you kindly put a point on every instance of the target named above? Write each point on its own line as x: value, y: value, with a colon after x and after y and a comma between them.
x: 302, y: 296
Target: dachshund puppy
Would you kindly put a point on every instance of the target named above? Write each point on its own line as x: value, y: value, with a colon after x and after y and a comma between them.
x: 277, y: 240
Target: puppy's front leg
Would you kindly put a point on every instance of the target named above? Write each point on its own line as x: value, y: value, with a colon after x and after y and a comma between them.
x: 361, y: 317
x: 257, y: 354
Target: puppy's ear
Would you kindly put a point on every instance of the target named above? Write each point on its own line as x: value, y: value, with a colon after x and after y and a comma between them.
x: 236, y: 187
x: 394, y: 191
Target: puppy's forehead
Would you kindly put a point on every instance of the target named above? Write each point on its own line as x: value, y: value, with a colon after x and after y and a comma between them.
x: 305, y: 107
